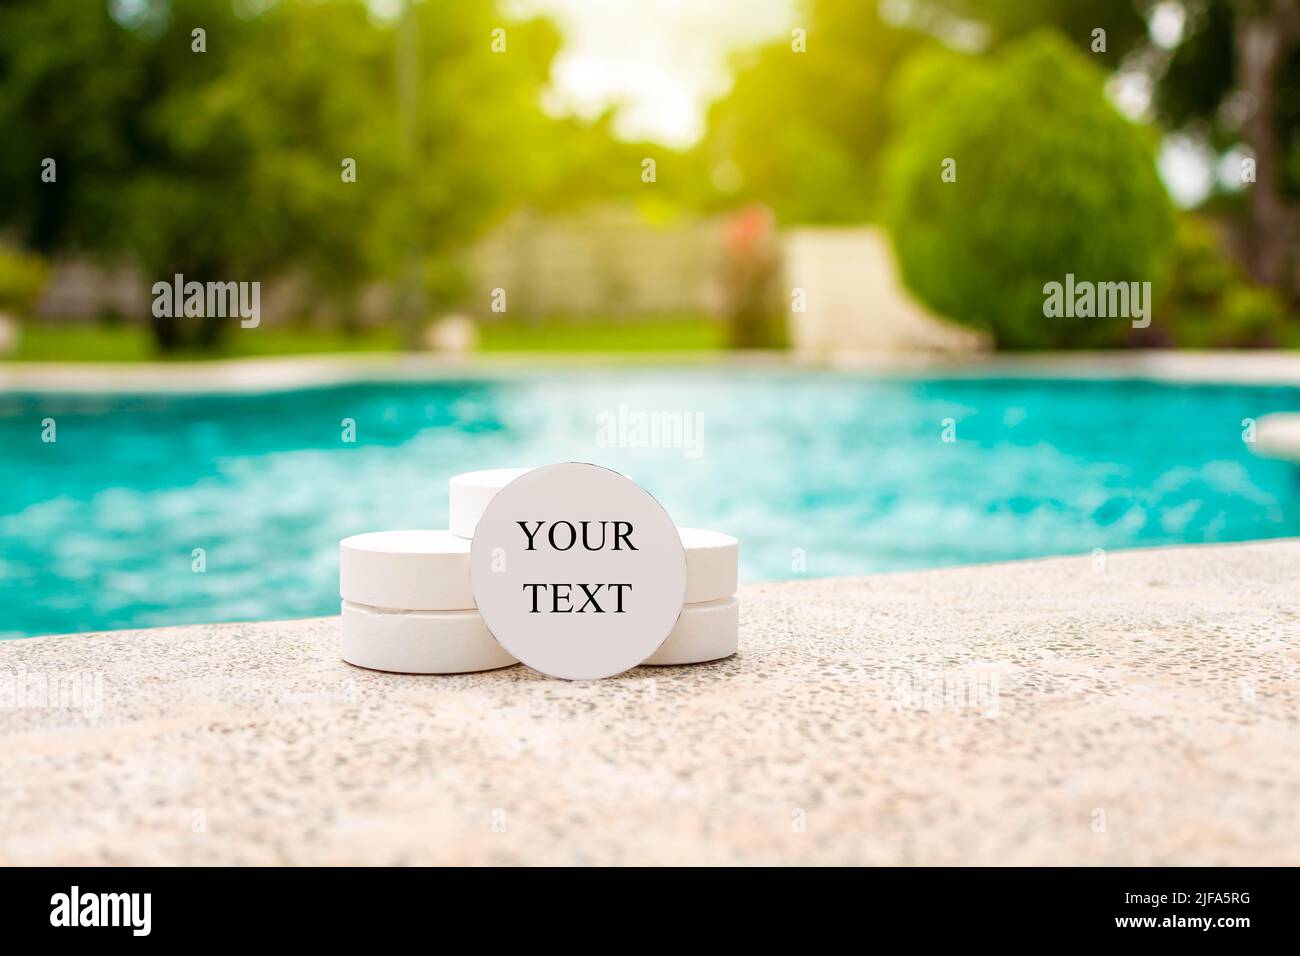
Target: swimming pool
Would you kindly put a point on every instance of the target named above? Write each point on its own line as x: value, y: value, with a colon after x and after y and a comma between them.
x: 817, y: 473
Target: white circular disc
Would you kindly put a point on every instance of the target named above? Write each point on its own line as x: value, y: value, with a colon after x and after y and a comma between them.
x: 419, y: 642
x: 577, y: 571
x: 406, y: 570
x: 469, y: 494
x: 712, y: 564
x: 704, y: 632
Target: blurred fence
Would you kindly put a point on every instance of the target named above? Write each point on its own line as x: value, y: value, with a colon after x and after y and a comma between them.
x: 82, y: 289
x: 607, y: 263
x: 839, y: 287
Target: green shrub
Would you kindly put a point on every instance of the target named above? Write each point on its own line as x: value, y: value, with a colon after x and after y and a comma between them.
x: 1201, y: 269
x: 1210, y: 302
x: 22, y: 277
x: 1050, y: 180
x: 1250, y: 316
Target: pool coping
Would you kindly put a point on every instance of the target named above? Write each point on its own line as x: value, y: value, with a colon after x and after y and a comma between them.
x: 285, y: 373
x: 1140, y: 711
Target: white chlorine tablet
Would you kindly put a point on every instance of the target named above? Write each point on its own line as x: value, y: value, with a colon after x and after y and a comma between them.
x: 471, y: 492
x: 704, y: 632
x: 406, y: 570
x: 420, y: 642
x: 579, y: 572
x: 712, y: 560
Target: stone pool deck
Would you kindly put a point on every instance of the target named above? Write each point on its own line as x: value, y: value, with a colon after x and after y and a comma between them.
x: 285, y: 373
x: 1050, y: 712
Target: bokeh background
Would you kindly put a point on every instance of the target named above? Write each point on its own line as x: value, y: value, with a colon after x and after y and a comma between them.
x: 641, y: 176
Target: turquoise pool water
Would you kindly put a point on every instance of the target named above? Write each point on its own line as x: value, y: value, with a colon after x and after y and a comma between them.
x: 97, y: 529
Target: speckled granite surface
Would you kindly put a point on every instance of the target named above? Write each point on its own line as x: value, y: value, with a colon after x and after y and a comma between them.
x: 1047, y: 712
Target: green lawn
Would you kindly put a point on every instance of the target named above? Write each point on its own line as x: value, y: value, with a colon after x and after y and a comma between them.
x: 66, y: 342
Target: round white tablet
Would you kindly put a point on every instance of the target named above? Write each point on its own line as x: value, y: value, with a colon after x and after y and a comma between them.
x: 704, y: 632
x: 471, y: 492
x: 712, y: 562
x: 578, y: 572
x: 420, y: 642
x: 406, y: 570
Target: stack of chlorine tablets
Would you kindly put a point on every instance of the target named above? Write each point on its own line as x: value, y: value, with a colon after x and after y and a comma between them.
x: 408, y: 605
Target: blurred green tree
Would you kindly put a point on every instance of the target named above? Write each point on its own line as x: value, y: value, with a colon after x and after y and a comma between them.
x: 803, y: 131
x: 1049, y: 180
x: 1231, y: 78
x: 228, y: 164
x: 1123, y: 22
x: 1234, y: 78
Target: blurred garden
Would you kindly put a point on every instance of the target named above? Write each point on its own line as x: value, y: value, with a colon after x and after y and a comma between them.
x: 395, y: 175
